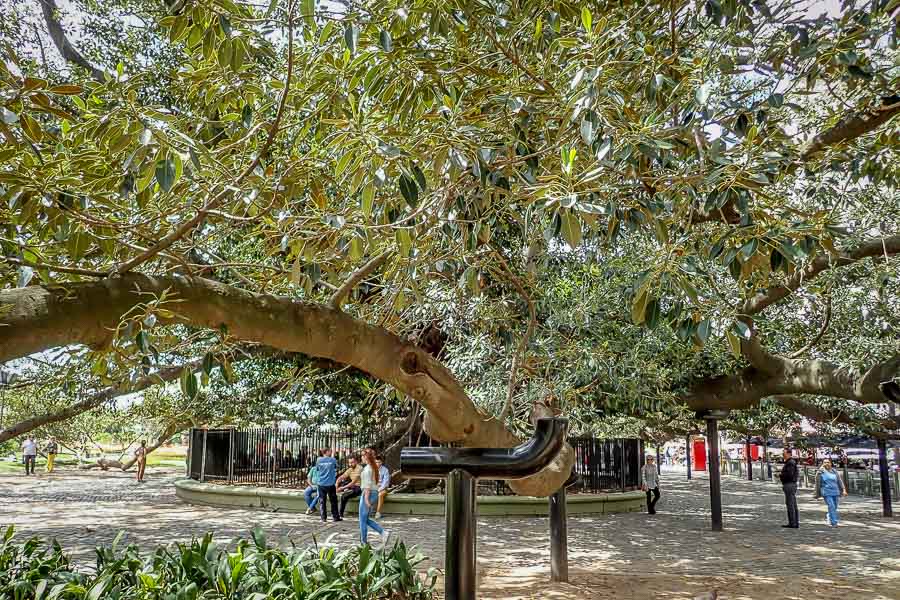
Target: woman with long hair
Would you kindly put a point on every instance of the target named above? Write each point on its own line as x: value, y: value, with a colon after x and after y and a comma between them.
x: 369, y: 499
x: 830, y: 486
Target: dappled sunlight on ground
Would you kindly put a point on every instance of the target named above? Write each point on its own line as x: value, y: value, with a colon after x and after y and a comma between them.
x: 670, y: 556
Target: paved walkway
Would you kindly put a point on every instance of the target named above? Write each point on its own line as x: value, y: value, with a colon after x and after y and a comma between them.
x: 672, y: 555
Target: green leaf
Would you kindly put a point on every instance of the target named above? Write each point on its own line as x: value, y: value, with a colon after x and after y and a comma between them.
x: 351, y: 34
x: 741, y: 329
x: 368, y: 199
x: 703, y: 330
x: 639, y: 307
x: 735, y: 343
x: 25, y: 275
x: 308, y: 7
x: 586, y: 18
x: 384, y: 38
x: 342, y: 164
x: 571, y: 229
x: 188, y: 383
x: 165, y: 174
x: 409, y: 190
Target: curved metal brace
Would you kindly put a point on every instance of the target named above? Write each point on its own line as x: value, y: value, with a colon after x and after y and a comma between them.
x: 489, y: 463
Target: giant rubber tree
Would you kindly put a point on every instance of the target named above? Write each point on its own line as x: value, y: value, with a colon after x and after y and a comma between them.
x: 313, y: 175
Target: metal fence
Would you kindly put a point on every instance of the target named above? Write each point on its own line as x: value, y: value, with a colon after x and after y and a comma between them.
x: 860, y: 482
x: 271, y: 457
x: 266, y: 456
x: 605, y: 465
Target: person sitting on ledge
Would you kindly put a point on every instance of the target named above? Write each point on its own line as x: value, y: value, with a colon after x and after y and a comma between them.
x: 350, y: 489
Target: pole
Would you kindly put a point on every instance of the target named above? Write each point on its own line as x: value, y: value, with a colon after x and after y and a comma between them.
x: 658, y: 462
x: 459, y: 561
x: 559, y: 534
x: 230, y: 455
x: 190, y: 454
x: 715, y: 482
x: 687, y: 455
x: 203, y: 458
x: 887, y: 509
x: 767, y: 474
x: 749, y: 461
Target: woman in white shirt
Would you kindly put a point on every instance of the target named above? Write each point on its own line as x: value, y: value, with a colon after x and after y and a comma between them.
x: 369, y: 499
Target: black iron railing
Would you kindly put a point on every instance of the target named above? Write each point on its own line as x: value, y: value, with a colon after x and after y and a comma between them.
x: 265, y: 457
x: 271, y: 457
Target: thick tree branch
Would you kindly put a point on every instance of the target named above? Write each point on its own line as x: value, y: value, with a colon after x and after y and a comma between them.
x: 816, y: 413
x: 877, y: 247
x: 66, y: 49
x: 37, y: 318
x: 853, y: 126
x: 356, y: 277
x: 819, y: 377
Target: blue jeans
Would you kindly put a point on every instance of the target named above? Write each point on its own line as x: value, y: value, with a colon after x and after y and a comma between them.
x: 364, y: 521
x: 832, y: 502
x: 311, y: 494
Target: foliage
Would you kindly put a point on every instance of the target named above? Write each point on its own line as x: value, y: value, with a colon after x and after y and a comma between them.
x: 642, y: 170
x: 201, y: 569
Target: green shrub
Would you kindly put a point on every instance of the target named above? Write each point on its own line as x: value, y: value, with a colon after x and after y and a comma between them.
x: 202, y: 570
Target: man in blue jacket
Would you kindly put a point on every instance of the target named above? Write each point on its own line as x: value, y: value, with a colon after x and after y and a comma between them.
x: 327, y: 470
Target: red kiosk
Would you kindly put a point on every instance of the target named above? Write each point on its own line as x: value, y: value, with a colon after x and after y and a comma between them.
x: 699, y: 454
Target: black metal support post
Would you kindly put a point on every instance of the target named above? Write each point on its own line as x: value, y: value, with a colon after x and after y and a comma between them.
x: 887, y: 509
x: 658, y: 462
x: 559, y: 538
x: 687, y: 455
x: 230, y: 456
x: 749, y: 461
x: 462, y: 467
x: 460, y: 549
x: 203, y: 458
x: 190, y: 454
x: 767, y: 473
x: 715, y: 482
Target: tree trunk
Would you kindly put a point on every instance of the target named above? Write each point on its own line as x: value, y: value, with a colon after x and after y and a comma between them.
x: 40, y: 318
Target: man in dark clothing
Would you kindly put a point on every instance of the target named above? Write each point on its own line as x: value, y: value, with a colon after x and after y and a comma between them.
x: 789, y: 476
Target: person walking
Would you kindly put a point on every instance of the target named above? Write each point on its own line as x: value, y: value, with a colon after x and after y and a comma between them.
x: 351, y: 489
x: 141, y: 456
x: 52, y: 448
x: 650, y: 484
x: 789, y: 476
x: 830, y: 486
x: 311, y: 493
x: 29, y: 454
x: 384, y: 480
x: 327, y: 468
x: 369, y: 478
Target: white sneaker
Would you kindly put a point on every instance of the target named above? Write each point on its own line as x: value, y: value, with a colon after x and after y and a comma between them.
x: 309, y: 511
x: 377, y: 515
x: 385, y: 539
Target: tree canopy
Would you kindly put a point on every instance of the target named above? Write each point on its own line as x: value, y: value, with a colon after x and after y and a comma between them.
x: 619, y: 207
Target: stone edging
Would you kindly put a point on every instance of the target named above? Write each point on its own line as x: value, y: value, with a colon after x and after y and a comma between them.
x: 195, y: 492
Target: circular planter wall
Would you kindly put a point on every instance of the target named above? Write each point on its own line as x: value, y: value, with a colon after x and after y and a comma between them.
x: 195, y: 492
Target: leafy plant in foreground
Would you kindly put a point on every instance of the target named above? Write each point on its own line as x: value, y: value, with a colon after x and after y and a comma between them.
x: 253, y: 570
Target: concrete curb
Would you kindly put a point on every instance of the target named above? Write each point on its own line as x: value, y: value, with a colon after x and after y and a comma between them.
x: 195, y: 492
